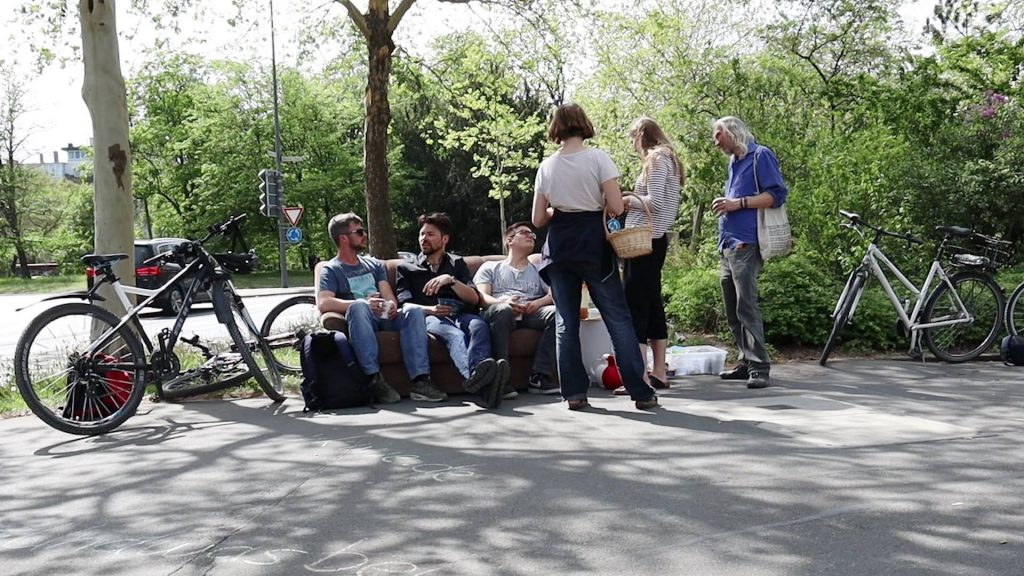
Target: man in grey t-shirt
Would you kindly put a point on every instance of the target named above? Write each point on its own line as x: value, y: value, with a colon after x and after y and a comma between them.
x: 356, y: 286
x: 513, y: 295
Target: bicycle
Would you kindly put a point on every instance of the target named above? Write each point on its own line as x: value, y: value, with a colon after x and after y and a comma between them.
x: 83, y: 370
x: 284, y: 328
x: 1014, y: 317
x: 960, y: 319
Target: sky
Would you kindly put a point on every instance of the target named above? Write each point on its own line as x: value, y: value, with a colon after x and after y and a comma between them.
x: 57, y: 116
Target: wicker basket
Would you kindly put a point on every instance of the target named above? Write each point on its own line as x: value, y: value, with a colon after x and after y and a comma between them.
x: 632, y: 242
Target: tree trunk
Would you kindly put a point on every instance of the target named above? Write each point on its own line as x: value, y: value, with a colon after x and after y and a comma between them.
x: 378, y: 117
x: 696, y: 223
x: 19, y: 247
x: 104, y: 94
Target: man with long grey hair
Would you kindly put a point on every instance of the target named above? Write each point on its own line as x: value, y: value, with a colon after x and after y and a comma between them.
x: 754, y: 182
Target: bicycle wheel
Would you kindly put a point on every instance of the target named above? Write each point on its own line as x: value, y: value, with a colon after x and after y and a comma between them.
x: 982, y: 298
x: 285, y: 327
x: 248, y: 342
x: 69, y: 388
x: 854, y: 285
x: 1015, y: 312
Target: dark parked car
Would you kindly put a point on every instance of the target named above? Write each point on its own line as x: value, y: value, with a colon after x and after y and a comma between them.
x: 153, y: 276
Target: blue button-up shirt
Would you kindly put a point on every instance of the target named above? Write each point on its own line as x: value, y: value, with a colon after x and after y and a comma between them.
x: 740, y: 226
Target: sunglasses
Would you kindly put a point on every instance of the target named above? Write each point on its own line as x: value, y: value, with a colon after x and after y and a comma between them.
x: 358, y: 232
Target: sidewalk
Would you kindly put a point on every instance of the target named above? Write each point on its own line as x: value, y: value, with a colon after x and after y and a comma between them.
x: 865, y: 467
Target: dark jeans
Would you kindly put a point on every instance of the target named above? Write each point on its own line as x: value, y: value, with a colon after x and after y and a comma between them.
x: 643, y: 292
x: 740, y: 268
x: 566, y: 283
x: 503, y: 321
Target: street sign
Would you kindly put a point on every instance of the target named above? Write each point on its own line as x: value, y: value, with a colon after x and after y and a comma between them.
x: 293, y: 214
x: 294, y: 235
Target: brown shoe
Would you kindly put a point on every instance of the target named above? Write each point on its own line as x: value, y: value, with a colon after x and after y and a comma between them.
x: 647, y: 404
x: 581, y: 404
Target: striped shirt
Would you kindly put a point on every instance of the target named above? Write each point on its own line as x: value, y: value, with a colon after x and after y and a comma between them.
x: 661, y: 190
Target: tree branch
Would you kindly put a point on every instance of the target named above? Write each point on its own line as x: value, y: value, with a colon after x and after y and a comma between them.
x: 356, y: 16
x: 399, y: 12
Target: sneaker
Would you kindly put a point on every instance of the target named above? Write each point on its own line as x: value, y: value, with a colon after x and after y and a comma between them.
x: 491, y: 394
x: 542, y: 384
x: 382, y: 392
x: 509, y: 393
x: 482, y: 375
x: 738, y: 373
x: 424, y: 390
x: 503, y: 373
x: 758, y: 380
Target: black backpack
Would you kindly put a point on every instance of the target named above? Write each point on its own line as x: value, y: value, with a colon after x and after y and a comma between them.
x: 1012, y: 350
x: 331, y: 378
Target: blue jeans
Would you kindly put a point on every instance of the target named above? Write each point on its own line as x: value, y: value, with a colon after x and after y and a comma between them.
x: 606, y: 291
x: 363, y: 326
x: 467, y: 337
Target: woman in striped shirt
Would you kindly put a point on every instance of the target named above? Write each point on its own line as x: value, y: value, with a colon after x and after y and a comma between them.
x: 658, y: 187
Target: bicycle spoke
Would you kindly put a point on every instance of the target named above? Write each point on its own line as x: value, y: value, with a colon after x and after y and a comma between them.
x: 982, y: 300
x: 71, y: 388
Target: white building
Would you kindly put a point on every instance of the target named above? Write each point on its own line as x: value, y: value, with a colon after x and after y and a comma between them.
x: 58, y: 170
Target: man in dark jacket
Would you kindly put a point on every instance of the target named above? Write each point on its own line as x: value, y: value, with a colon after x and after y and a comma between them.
x: 440, y: 284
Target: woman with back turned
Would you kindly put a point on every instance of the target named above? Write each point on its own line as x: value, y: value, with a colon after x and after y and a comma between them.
x: 574, y: 188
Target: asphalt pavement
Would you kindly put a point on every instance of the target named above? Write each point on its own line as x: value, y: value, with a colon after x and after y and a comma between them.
x: 866, y: 467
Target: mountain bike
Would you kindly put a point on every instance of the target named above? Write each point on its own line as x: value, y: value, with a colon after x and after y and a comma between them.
x: 286, y: 325
x: 83, y: 370
x: 958, y: 320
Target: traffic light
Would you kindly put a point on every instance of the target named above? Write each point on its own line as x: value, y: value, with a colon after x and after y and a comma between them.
x: 270, y: 187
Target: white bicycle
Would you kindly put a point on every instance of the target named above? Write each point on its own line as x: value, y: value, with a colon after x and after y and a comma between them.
x: 959, y: 320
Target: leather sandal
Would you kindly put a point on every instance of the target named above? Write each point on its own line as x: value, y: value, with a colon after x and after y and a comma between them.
x: 658, y: 383
x: 579, y: 404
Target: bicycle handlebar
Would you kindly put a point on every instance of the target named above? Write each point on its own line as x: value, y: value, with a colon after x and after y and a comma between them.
x: 191, y: 247
x: 855, y: 220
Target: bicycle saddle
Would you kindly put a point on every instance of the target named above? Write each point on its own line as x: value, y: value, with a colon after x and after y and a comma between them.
x: 955, y: 231
x: 100, y: 259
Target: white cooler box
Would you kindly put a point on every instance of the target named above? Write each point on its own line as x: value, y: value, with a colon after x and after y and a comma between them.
x: 696, y: 360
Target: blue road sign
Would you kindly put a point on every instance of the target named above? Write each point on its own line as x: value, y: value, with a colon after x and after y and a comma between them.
x: 294, y: 235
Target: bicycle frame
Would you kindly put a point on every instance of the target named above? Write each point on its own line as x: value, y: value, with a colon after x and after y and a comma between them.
x: 872, y: 259
x: 203, y: 275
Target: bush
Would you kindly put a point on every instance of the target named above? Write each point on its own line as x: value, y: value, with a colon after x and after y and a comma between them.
x: 797, y: 299
x: 693, y: 294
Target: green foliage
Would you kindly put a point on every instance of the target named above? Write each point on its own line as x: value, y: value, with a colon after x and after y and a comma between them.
x: 693, y: 297
x: 796, y: 299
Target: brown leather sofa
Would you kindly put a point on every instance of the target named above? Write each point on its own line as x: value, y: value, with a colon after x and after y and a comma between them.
x: 522, y: 345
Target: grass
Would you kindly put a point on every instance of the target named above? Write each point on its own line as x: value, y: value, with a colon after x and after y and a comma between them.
x: 52, y: 284
x: 42, y: 284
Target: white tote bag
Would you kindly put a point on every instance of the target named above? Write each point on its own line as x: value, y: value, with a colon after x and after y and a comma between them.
x: 774, y: 236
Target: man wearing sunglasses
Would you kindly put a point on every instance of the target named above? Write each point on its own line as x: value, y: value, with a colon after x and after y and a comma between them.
x: 513, y: 295
x: 357, y: 287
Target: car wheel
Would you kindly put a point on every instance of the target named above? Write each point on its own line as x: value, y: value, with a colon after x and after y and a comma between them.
x: 175, y: 299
